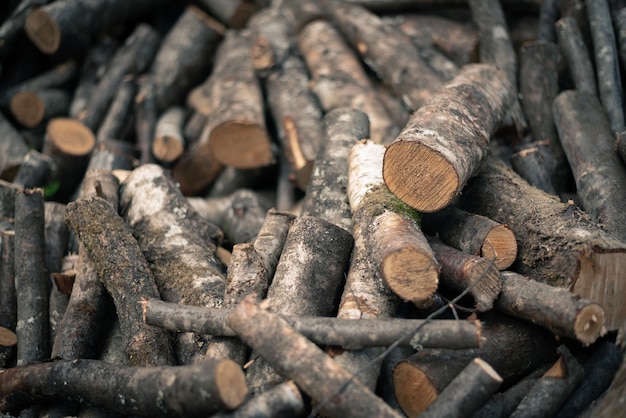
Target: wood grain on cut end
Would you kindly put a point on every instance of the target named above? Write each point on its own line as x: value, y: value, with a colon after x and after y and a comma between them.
x: 488, y: 369
x: 414, y: 391
x: 43, y: 31
x: 167, y: 148
x: 231, y: 383
x: 411, y: 274
x: 241, y: 145
x: 420, y: 176
x: 500, y: 243
x: 27, y: 108
x: 589, y: 324
x: 70, y: 136
x: 7, y: 337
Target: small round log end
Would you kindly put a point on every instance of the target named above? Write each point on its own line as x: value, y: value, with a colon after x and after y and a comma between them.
x: 231, y: 383
x: 70, y: 136
x: 414, y: 391
x: 27, y: 108
x: 241, y: 145
x: 43, y: 31
x: 500, y: 243
x: 411, y: 274
x: 589, y: 324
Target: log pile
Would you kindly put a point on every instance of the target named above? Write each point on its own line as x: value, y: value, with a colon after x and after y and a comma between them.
x: 324, y: 208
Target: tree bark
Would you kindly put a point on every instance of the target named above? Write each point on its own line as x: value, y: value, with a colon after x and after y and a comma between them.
x: 444, y: 142
x: 12, y: 149
x: 120, y: 116
x: 272, y: 41
x: 8, y: 298
x: 125, y: 273
x: 283, y: 401
x: 302, y: 361
x: 575, y: 54
x: 557, y: 243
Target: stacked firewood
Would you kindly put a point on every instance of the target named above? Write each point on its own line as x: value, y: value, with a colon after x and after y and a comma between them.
x: 325, y: 208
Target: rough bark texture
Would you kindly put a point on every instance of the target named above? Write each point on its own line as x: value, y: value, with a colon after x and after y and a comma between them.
x: 575, y: 54
x: 558, y: 244
x: 32, y: 108
x: 445, y: 141
x: 272, y: 41
x: 120, y: 116
x: 8, y: 298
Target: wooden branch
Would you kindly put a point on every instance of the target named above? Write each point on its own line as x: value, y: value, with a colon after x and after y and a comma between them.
x: 272, y: 41
x: 12, y: 149
x: 8, y: 191
x: 293, y: 355
x: 473, y: 234
x: 145, y: 117
x: 338, y: 78
x: 575, y: 54
x: 180, y: 391
x: 599, y: 172
x: 449, y: 137
x: 557, y: 243
x: 125, y: 274
x: 120, y: 116
x: 169, y: 142
x: 285, y: 400
x: 8, y: 297
x: 466, y: 392
x: 410, y: 78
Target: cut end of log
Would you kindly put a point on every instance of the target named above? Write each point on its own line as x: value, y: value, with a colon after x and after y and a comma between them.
x: 421, y: 177
x: 487, y: 290
x: 488, y: 369
x: 500, y: 243
x: 231, y: 383
x: 71, y: 137
x: 43, y: 31
x: 241, y: 145
x: 27, y: 108
x: 167, y: 148
x: 558, y: 370
x: 411, y: 275
x: 7, y: 337
x: 589, y: 324
x: 414, y: 391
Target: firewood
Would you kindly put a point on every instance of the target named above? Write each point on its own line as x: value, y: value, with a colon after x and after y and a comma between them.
x: 285, y: 400
x: 185, y: 56
x: 575, y: 54
x: 169, y: 142
x: 398, y: 250
x: 326, y: 193
x: 98, y: 228
x: 474, y: 234
x: 535, y: 163
x: 338, y: 78
x: 236, y: 128
x: 300, y: 12
x: 11, y: 28
x: 31, y: 283
x: 466, y: 392
x: 549, y: 392
x: 410, y: 78
x: 35, y: 170
x: 132, y: 58
x: 570, y: 241
x: 449, y: 137
x: 548, y: 15
x: 285, y: 349
x: 272, y: 40
x: 163, y: 391
x: 600, y: 369
x: 80, y: 330
x: 146, y: 116
x: 13, y: 149
x: 599, y: 172
x: 8, y: 192
x: 8, y: 297
x: 179, y: 245
x: 234, y: 14
x: 512, y: 347
x: 34, y: 108
x: 555, y: 309
x: 119, y: 117
x: 609, y: 404
x: 193, y: 127
x: 606, y: 62
x: 460, y: 271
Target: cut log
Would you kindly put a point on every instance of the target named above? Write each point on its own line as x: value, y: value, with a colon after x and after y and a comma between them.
x: 575, y: 54
x: 473, y: 234
x: 34, y: 108
x: 169, y: 142
x: 558, y: 244
x: 11, y: 29
x: 294, y: 356
x: 272, y: 41
x: 8, y: 297
x: 285, y: 400
x: 444, y: 142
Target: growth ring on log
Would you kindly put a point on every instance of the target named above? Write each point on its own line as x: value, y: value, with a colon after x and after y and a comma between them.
x: 498, y: 245
x: 43, y: 31
x: 231, y: 383
x: 410, y: 262
x: 229, y: 148
x: 418, y: 393
x: 28, y: 108
x: 70, y: 136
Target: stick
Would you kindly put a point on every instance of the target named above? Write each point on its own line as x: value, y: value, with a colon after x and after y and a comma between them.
x: 576, y: 56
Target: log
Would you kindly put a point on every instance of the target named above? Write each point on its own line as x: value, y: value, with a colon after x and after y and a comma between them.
x: 449, y: 137
x: 125, y: 273
x: 33, y: 108
x: 8, y: 298
x: 598, y: 170
x: 338, y: 78
x: 575, y: 54
x: 13, y: 23
x: 180, y: 391
x: 13, y: 149
x: 555, y: 309
x: 474, y: 234
x: 285, y: 400
x: 466, y: 392
x: 294, y: 357
x: 35, y: 170
x: 120, y: 116
x: 548, y: 15
x: 272, y: 41
x: 535, y: 163
x: 146, y: 117
x: 610, y: 403
x: 169, y: 141
x: 410, y: 78
x: 557, y: 242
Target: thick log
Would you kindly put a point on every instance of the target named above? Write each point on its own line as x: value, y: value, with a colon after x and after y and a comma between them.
x: 178, y: 244
x: 473, y: 234
x: 12, y: 149
x: 466, y: 392
x: 33, y: 108
x: 461, y: 271
x: 512, y: 347
x: 31, y: 282
x: 294, y: 356
x: 606, y: 62
x: 236, y: 128
x: 410, y: 78
x: 285, y: 400
x: 557, y: 243
x: 599, y: 172
x: 326, y: 196
x: 185, y: 56
x: 164, y: 391
x: 7, y: 203
x: 119, y: 118
x: 555, y: 309
x: 444, y: 142
x: 575, y: 54
x: 338, y: 78
x: 169, y: 141
x: 125, y: 273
